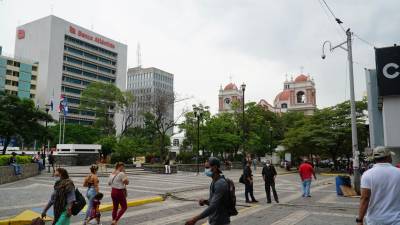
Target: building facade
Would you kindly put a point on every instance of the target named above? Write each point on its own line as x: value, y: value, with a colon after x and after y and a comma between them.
x: 70, y: 58
x: 228, y: 96
x: 18, y: 77
x: 150, y: 85
x: 298, y: 94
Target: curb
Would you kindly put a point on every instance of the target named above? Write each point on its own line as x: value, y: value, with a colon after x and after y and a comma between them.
x: 27, y: 219
x: 334, y: 174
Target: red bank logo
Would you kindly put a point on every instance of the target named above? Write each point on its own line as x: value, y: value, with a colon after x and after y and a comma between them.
x: 20, y: 34
x: 72, y: 30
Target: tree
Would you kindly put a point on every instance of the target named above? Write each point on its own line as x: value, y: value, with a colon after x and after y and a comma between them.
x: 20, y: 118
x: 108, y: 144
x: 128, y: 112
x: 105, y: 99
x: 76, y: 134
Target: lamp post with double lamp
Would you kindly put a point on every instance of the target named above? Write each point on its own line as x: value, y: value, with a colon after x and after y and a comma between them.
x: 198, y: 113
x: 243, y: 88
x: 349, y: 50
x: 270, y: 139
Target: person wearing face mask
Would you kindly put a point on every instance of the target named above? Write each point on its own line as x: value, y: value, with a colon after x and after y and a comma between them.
x: 62, y: 198
x: 217, y: 212
x: 269, y: 175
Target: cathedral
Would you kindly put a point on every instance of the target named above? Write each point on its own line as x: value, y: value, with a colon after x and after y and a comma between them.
x: 298, y: 95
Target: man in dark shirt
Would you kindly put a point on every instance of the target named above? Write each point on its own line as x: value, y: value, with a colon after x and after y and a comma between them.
x: 13, y: 162
x: 248, y: 182
x: 216, y: 211
x: 269, y: 175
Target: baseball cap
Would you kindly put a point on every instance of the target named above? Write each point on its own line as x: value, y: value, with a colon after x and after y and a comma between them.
x: 381, y: 152
x: 212, y: 161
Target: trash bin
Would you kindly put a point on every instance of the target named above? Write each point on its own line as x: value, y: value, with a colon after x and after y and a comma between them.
x: 342, y: 180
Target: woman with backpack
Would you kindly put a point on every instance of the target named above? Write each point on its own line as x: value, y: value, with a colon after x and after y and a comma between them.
x: 92, y: 183
x: 118, y: 181
x: 62, y: 198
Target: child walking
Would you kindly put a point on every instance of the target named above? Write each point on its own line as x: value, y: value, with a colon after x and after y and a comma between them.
x: 95, y: 212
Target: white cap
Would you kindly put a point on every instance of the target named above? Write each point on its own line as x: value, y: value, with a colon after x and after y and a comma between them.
x: 381, y: 152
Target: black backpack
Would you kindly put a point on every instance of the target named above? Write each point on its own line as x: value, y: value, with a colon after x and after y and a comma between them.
x: 79, y: 203
x: 231, y: 203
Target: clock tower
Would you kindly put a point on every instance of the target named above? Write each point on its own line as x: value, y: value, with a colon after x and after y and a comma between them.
x: 227, y: 96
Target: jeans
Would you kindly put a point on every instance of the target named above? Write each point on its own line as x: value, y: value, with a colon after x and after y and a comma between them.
x: 91, y: 192
x: 268, y: 186
x: 64, y: 219
x: 118, y: 198
x: 248, y: 189
x: 306, y: 185
x: 17, y: 168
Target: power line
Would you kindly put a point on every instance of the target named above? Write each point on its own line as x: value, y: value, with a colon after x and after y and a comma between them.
x: 363, y: 40
x: 329, y: 19
x: 333, y: 14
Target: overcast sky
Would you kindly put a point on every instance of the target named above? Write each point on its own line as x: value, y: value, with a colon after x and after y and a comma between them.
x: 204, y: 42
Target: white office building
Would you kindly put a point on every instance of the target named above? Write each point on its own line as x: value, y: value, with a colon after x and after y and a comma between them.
x: 70, y: 58
x: 148, y: 85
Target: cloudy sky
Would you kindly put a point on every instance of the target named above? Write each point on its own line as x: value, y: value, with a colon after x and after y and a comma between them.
x: 204, y: 42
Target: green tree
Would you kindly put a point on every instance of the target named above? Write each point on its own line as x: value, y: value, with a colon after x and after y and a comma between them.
x: 104, y: 99
x: 75, y: 134
x: 20, y: 118
x: 108, y: 144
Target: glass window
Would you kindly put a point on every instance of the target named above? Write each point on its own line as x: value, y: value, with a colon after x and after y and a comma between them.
x: 89, y: 74
x: 104, y: 69
x: 90, y: 65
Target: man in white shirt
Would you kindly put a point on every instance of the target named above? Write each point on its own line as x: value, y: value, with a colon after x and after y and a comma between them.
x: 380, y: 188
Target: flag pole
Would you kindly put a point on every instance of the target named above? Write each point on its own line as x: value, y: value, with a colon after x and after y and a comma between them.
x: 60, y: 122
x: 63, y: 131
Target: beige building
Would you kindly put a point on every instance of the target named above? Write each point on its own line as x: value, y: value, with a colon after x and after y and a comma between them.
x: 18, y: 77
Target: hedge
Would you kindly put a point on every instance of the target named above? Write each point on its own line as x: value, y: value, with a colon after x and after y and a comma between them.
x: 20, y: 159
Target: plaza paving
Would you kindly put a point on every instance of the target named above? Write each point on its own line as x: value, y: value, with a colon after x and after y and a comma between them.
x: 324, y: 207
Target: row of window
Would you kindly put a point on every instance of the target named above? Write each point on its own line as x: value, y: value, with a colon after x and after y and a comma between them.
x: 18, y: 64
x: 90, y: 65
x: 87, y: 74
x: 146, y: 76
x: 90, y: 46
x: 32, y: 96
x: 70, y: 90
x: 16, y: 74
x: 89, y: 55
x: 81, y: 112
x: 81, y: 122
x: 16, y: 83
x: 75, y: 81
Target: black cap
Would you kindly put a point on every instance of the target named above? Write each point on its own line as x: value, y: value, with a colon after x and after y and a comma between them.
x: 212, y: 161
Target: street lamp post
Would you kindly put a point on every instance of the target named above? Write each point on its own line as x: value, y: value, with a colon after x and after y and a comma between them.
x: 349, y: 50
x: 198, y: 113
x: 270, y: 140
x: 243, y: 87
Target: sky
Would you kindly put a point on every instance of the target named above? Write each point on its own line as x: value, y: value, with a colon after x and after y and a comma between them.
x: 208, y: 43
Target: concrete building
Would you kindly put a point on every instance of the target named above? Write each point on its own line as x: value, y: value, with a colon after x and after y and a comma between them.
x: 70, y: 58
x: 18, y: 77
x: 149, y: 85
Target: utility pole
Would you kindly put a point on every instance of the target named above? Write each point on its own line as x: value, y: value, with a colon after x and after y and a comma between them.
x: 356, y: 163
x: 354, y: 140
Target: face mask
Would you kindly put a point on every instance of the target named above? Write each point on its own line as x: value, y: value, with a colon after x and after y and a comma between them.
x: 268, y: 164
x: 57, y: 178
x: 208, y: 172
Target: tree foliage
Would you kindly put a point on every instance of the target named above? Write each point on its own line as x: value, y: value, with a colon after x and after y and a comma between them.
x: 21, y: 119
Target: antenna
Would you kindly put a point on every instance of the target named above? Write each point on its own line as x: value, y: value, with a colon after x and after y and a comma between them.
x: 139, y: 55
x: 230, y: 78
x: 301, y: 69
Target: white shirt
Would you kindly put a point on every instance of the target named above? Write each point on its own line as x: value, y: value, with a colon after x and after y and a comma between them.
x: 384, y: 182
x: 116, y: 181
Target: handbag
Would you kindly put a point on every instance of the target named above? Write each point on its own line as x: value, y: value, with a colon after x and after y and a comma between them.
x: 124, y: 191
x: 241, y: 179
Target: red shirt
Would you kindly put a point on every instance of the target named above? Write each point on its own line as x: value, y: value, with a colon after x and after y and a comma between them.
x: 306, y: 171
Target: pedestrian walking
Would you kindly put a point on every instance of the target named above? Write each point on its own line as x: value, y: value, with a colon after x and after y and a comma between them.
x: 92, y: 183
x: 62, y: 198
x: 167, y: 166
x: 306, y: 172
x: 269, y: 174
x: 118, y: 181
x: 217, y: 210
x: 95, y: 210
x: 52, y: 160
x: 380, y: 188
x: 255, y: 164
x: 248, y: 182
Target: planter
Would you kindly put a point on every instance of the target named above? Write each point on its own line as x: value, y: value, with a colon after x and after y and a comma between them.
x: 7, y: 172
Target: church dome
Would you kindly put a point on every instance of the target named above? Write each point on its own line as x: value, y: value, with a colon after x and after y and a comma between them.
x: 301, y: 78
x: 283, y: 96
x: 230, y: 86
